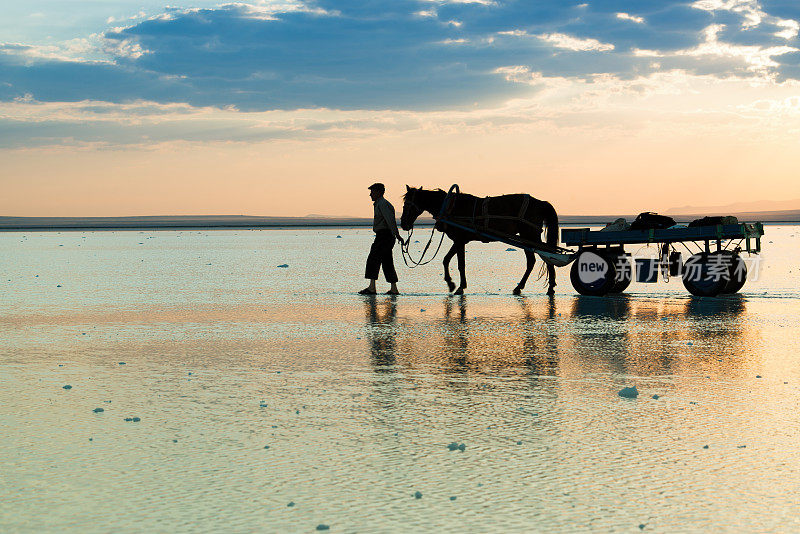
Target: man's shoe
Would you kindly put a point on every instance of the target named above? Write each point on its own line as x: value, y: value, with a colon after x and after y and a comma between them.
x: 366, y: 291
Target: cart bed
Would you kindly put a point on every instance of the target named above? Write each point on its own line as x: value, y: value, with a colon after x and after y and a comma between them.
x: 584, y: 236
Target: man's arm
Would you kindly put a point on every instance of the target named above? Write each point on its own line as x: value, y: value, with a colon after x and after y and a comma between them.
x: 388, y: 214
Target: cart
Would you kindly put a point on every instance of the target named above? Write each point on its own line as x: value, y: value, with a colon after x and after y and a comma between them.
x: 715, y: 266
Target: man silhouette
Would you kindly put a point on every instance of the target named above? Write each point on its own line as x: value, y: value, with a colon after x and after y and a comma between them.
x: 380, y: 254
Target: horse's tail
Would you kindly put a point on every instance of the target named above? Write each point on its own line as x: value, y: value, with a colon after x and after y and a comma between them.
x: 550, y: 226
x: 550, y: 219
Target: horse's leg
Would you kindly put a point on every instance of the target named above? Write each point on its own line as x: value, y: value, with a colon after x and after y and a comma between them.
x: 551, y: 280
x: 446, y: 262
x: 461, y: 269
x: 531, y: 260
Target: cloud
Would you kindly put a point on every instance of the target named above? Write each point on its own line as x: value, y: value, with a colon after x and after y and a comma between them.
x: 73, y: 50
x: 632, y: 18
x: 559, y: 104
x: 789, y: 31
x: 253, y: 57
x: 569, y: 42
x: 759, y: 60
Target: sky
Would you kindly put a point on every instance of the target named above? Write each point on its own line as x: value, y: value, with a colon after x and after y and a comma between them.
x: 289, y: 108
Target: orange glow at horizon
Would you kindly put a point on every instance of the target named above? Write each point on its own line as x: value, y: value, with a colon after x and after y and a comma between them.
x: 579, y: 174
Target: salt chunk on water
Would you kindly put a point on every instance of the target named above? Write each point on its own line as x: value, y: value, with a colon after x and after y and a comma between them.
x: 418, y: 495
x: 629, y: 393
x: 283, y: 265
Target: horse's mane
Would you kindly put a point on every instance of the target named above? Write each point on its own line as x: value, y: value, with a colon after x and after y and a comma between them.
x: 405, y: 195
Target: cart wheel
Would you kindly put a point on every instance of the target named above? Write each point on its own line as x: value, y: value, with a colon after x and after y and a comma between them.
x: 738, y: 273
x: 706, y: 275
x: 592, y: 273
x: 623, y: 272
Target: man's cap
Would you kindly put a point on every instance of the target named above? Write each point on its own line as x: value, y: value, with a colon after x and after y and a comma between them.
x: 377, y: 186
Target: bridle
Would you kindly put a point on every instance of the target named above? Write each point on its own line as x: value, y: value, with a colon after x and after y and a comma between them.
x: 410, y: 262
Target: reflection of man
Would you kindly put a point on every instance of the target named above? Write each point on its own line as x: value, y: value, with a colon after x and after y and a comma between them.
x: 380, y: 254
x: 381, y: 332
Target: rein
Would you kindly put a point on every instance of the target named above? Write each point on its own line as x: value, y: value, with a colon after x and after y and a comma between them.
x: 410, y: 262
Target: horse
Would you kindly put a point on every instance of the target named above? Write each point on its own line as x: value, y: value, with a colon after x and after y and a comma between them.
x: 518, y: 216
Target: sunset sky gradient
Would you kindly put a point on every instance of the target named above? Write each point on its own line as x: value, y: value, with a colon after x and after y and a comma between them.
x: 293, y: 108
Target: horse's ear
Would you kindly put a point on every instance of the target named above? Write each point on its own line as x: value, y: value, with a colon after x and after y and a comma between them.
x: 407, y: 188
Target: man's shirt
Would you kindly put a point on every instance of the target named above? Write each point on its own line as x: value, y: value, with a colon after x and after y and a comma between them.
x: 384, y: 217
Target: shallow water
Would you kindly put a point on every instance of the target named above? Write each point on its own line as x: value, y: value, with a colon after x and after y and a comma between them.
x: 357, y: 398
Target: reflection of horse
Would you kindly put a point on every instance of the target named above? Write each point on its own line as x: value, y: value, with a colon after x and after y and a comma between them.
x: 456, y: 332
x: 540, y: 360
x: 508, y: 215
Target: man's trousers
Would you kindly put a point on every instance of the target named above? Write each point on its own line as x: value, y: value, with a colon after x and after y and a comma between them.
x: 380, y: 255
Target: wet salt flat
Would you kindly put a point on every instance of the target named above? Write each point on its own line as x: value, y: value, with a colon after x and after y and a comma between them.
x: 276, y: 399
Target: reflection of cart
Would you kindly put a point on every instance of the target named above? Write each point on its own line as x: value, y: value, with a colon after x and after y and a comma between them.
x: 602, y: 266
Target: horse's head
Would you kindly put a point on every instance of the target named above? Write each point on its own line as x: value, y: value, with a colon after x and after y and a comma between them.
x: 411, y: 209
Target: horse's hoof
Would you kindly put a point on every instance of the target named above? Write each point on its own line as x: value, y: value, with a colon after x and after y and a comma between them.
x: 551, y: 292
x: 459, y: 291
x: 517, y: 291
x: 451, y: 286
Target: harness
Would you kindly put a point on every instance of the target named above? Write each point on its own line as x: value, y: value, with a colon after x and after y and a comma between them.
x: 479, y: 222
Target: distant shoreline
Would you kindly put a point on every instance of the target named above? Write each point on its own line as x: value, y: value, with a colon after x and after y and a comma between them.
x: 222, y: 222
